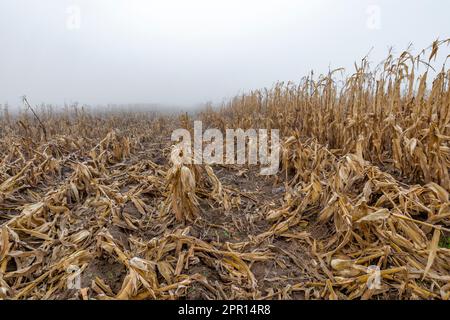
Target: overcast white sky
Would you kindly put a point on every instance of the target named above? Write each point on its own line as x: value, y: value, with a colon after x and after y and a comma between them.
x: 185, y: 52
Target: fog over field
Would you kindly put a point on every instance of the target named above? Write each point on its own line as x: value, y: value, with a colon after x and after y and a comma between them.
x: 224, y: 150
x: 183, y: 53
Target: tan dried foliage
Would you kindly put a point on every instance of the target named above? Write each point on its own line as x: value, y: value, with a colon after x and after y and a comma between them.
x: 364, y: 183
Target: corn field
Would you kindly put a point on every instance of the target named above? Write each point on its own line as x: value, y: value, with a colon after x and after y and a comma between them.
x: 363, y: 185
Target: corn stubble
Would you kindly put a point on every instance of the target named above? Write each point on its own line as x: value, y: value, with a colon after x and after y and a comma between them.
x: 365, y: 183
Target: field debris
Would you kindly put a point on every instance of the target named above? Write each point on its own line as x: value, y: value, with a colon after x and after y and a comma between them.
x: 359, y: 209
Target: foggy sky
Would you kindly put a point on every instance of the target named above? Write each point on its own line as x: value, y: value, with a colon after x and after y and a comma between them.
x: 186, y: 52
